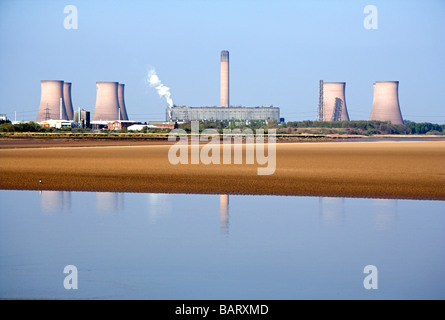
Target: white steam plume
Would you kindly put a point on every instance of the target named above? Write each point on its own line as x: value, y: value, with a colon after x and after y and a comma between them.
x: 162, y: 90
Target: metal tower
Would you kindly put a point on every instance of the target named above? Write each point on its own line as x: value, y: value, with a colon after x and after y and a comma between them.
x: 320, y: 101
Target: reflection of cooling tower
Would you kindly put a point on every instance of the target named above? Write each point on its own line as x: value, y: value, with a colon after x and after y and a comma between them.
x: 224, y: 90
x: 109, y: 202
x: 55, y: 201
x: 120, y: 95
x: 384, y: 213
x: 52, y: 92
x: 385, y: 104
x: 67, y: 100
x: 107, y: 103
x: 334, y: 102
x: 331, y: 210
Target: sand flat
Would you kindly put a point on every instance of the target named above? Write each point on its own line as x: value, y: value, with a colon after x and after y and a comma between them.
x: 403, y: 170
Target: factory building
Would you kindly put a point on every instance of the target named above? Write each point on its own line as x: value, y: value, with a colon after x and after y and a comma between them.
x: 385, y: 104
x: 82, y: 118
x: 184, y: 113
x: 120, y: 124
x: 58, y: 124
x: 164, y: 124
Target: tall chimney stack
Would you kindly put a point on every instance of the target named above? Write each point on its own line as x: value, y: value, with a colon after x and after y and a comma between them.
x: 224, y: 90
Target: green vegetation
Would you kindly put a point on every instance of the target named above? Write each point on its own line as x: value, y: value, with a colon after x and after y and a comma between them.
x: 425, y: 128
x: 290, y: 128
x: 325, y: 127
x: 7, y: 126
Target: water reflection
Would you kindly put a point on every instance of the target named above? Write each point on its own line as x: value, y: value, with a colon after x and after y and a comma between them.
x: 331, y: 211
x: 126, y: 256
x: 158, y: 203
x: 52, y: 202
x: 109, y: 202
x: 384, y: 213
x: 224, y: 213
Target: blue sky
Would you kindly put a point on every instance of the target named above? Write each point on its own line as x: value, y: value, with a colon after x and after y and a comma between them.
x: 279, y: 50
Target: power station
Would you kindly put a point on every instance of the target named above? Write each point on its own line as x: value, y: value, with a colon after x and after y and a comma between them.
x: 56, y: 104
x: 385, y: 104
x: 225, y: 111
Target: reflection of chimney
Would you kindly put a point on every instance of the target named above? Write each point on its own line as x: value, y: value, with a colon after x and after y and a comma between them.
x: 224, y: 213
x: 224, y: 90
x: 384, y: 213
x: 331, y: 210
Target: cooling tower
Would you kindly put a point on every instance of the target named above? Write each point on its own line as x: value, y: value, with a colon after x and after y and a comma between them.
x: 224, y: 90
x: 67, y: 100
x: 385, y: 104
x: 334, y: 102
x: 52, y: 92
x: 107, y: 103
x: 120, y: 95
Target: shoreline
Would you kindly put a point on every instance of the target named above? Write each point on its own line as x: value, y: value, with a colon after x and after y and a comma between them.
x: 45, y: 141
x: 390, y: 170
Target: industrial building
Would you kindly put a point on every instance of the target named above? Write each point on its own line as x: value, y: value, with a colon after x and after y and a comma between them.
x: 58, y: 124
x: 385, y: 104
x: 120, y: 124
x: 184, y: 113
x: 82, y: 117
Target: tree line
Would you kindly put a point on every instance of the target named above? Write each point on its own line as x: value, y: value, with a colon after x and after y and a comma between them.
x: 361, y: 127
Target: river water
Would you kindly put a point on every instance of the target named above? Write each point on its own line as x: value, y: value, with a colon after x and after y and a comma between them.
x: 188, y: 246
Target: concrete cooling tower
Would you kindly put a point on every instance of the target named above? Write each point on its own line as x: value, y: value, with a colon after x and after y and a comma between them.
x: 385, y: 104
x: 67, y: 100
x: 334, y: 102
x: 52, y: 105
x: 224, y: 89
x: 107, y: 102
x: 120, y: 95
